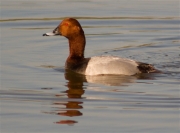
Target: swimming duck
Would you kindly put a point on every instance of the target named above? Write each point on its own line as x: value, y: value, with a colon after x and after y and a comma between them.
x: 72, y: 30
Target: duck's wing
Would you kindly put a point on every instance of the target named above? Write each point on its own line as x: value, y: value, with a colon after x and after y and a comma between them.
x: 111, y: 65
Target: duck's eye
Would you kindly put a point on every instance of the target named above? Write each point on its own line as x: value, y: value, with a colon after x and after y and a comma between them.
x: 66, y: 24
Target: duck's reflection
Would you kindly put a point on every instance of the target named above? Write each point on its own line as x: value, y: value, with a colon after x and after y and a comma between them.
x: 111, y: 80
x: 75, y: 91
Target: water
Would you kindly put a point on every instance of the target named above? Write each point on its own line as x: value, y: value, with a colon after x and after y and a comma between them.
x: 38, y: 95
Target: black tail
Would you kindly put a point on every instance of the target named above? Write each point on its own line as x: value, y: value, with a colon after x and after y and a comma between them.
x: 147, y: 68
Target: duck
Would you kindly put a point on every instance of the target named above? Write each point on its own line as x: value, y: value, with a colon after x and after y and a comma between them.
x: 97, y: 65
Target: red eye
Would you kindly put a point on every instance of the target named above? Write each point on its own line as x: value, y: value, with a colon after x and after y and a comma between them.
x: 66, y: 24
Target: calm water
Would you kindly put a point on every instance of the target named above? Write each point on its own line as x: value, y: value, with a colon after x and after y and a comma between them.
x: 38, y: 95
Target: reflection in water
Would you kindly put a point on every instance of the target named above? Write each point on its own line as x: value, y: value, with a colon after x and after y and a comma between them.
x: 111, y: 80
x: 71, y: 113
x: 76, y: 80
x: 75, y: 91
x: 69, y: 122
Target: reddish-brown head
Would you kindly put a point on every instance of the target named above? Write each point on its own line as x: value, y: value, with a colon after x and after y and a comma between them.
x: 72, y: 30
x: 69, y: 28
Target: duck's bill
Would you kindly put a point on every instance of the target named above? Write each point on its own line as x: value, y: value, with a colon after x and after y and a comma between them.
x: 54, y: 33
x: 50, y: 34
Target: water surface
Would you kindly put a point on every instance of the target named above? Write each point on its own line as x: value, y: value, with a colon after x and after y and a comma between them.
x: 38, y: 95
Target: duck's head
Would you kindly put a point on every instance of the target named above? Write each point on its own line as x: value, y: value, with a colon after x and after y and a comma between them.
x: 68, y: 28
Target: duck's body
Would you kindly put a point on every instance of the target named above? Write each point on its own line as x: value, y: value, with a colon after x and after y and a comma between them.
x: 72, y: 30
x: 111, y: 65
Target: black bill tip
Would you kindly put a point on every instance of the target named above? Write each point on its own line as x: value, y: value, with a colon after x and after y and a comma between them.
x: 44, y: 34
